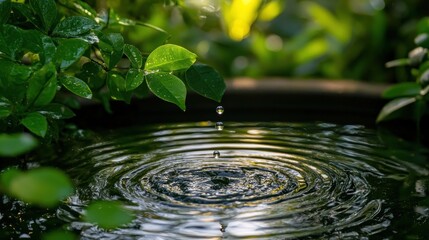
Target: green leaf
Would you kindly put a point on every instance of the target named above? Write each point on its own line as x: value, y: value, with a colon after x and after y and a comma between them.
x: 12, y: 145
x: 406, y: 89
x: 108, y: 214
x: 69, y: 51
x: 44, y: 186
x: 13, y: 80
x: 134, y: 55
x: 424, y: 78
x: 74, y: 26
x: 392, y: 109
x: 56, y: 111
x: 59, y: 234
x: 5, y: 8
x: 5, y: 107
x: 11, y: 41
x: 167, y: 87
x: 76, y: 86
x: 134, y: 79
x: 206, y: 81
x: 42, y: 86
x: 92, y: 74
x: 41, y: 44
x: 169, y: 57
x: 46, y: 11
x: 117, y: 87
x: 111, y: 46
x: 36, y: 123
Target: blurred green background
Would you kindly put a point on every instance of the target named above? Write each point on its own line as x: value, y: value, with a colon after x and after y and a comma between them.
x: 329, y: 39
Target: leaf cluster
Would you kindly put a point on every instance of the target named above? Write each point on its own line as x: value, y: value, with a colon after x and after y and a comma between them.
x: 409, y: 100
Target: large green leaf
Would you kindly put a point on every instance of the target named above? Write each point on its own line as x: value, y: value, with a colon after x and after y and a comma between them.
x: 46, y: 10
x: 40, y: 44
x: 111, y: 46
x: 36, y: 123
x: 392, y: 109
x: 12, y: 145
x: 134, y: 55
x: 11, y: 41
x: 42, y: 86
x: 69, y: 51
x: 169, y: 57
x: 117, y: 87
x: 134, y: 79
x: 74, y: 26
x: 44, y: 186
x: 167, y: 87
x: 406, y: 89
x: 5, y: 8
x: 76, y: 86
x: 206, y: 81
x: 13, y: 80
x: 108, y: 214
x: 56, y: 111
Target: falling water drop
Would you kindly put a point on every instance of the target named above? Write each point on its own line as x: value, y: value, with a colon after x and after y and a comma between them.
x: 220, y: 110
x: 219, y: 126
x: 216, y: 154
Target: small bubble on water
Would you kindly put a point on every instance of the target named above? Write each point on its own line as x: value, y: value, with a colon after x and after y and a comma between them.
x: 219, y: 126
x: 220, y: 110
x: 216, y: 154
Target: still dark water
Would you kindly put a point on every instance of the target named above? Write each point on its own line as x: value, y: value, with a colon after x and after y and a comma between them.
x: 269, y: 181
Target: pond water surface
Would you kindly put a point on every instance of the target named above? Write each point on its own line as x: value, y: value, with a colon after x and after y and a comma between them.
x: 253, y: 181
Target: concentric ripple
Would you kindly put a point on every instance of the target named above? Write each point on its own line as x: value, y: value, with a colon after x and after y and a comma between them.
x: 271, y: 181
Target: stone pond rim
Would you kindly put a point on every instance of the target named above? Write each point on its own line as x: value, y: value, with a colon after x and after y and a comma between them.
x: 274, y: 99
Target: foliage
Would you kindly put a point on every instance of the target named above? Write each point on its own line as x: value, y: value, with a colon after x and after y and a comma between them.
x: 410, y: 99
x: 53, y: 55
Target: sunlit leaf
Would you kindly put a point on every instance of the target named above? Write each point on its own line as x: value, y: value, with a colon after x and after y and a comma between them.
x: 407, y: 89
x: 270, y: 10
x: 239, y: 16
x: 46, y: 10
x: 69, y: 51
x: 76, y: 86
x: 389, y: 111
x: 12, y: 145
x: 169, y: 57
x: 206, y: 81
x: 5, y: 8
x: 108, y: 214
x: 74, y: 26
x: 134, y: 55
x: 44, y: 186
x: 42, y: 86
x: 59, y: 234
x: 36, y: 123
x: 167, y: 87
x: 134, y: 79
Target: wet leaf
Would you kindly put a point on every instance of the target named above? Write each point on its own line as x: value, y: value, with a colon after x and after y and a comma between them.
x: 111, y: 46
x: 206, y: 81
x: 134, y: 55
x: 36, y: 123
x: 167, y: 87
x: 40, y: 44
x: 69, y: 51
x: 44, y: 186
x: 92, y: 74
x: 11, y: 41
x: 42, y: 86
x: 407, y: 89
x: 5, y: 8
x: 13, y: 80
x: 389, y: 111
x: 134, y: 79
x: 76, y: 86
x: 12, y: 145
x: 56, y: 111
x: 169, y: 57
x: 46, y: 10
x: 74, y: 26
x: 108, y: 214
x: 117, y: 87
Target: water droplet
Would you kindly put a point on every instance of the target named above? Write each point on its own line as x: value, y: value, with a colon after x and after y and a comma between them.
x: 216, y: 154
x: 220, y: 110
x: 219, y: 126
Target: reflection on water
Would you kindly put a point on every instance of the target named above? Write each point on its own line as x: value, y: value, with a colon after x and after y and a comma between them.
x: 271, y: 181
